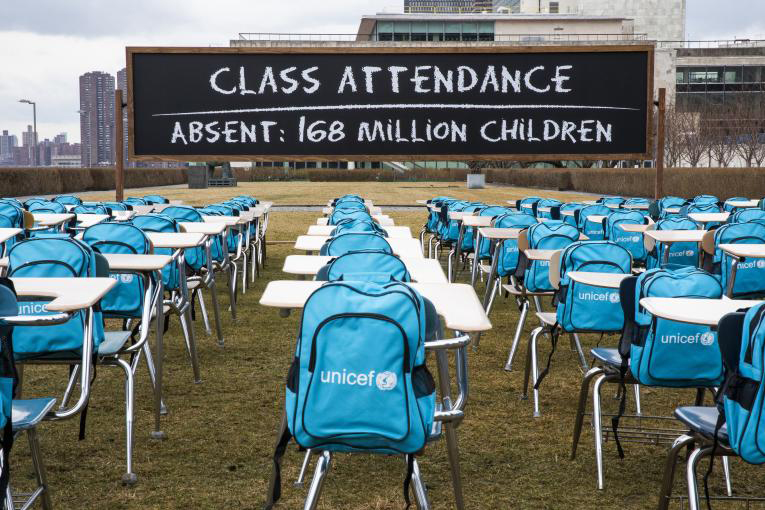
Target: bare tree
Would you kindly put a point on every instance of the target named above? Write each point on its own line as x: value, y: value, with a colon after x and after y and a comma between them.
x: 673, y: 146
x: 749, y: 125
x: 693, y: 139
x: 717, y: 124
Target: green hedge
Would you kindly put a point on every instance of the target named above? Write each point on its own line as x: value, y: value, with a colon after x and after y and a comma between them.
x: 15, y: 182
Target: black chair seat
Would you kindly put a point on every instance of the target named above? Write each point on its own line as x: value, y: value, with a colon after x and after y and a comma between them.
x: 702, y: 420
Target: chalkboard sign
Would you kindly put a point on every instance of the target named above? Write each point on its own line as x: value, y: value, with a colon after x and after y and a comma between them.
x: 390, y: 104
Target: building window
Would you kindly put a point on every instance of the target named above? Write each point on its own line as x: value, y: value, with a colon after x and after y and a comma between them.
x: 554, y: 7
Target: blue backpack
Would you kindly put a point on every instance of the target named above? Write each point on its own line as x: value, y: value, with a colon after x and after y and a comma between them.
x: 370, y: 392
x: 705, y: 200
x: 581, y: 307
x: 232, y: 237
x: 750, y: 274
x: 617, y: 201
x: 528, y: 205
x: 743, y: 393
x: 350, y: 225
x: 638, y: 201
x: 554, y: 206
x: 125, y: 300
x: 354, y: 241
x: 115, y: 206
x: 52, y: 257
x: 365, y: 265
x: 670, y: 203
x: 632, y: 241
x: 747, y: 215
x: 40, y: 206
x: 160, y: 223
x: 507, y: 261
x: 493, y: 211
x: 729, y: 208
x: 342, y: 214
x: 593, y: 230
x: 571, y: 220
x: 251, y: 201
x: 680, y: 254
x: 14, y: 214
x: 551, y: 235
x: 674, y: 354
x: 188, y: 214
x: 91, y: 209
x: 155, y: 199
x: 135, y: 201
x: 67, y: 200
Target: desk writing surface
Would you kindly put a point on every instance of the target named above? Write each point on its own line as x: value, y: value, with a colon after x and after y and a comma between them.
x: 71, y: 294
x: 210, y: 229
x: 607, y: 280
x: 705, y: 312
x: 456, y: 303
x: 176, y: 240
x: 755, y: 251
x: 133, y: 262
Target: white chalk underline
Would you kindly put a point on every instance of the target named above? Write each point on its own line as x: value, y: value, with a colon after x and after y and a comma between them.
x: 399, y: 106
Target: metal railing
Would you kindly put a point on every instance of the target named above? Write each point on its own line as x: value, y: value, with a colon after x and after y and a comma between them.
x: 409, y: 37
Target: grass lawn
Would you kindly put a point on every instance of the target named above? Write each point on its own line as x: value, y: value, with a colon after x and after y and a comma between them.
x: 317, y: 193
x: 221, y: 433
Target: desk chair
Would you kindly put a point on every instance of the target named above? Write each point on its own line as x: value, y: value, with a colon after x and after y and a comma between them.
x: 25, y: 415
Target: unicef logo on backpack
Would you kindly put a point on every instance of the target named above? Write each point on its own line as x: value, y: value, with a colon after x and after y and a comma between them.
x: 761, y: 264
x: 707, y: 339
x: 614, y: 297
x: 689, y: 253
x: 386, y: 381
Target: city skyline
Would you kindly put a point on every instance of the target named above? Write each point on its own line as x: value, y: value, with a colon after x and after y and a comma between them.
x: 35, y: 50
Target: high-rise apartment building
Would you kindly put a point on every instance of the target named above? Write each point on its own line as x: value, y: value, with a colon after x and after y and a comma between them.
x: 97, y: 118
x: 123, y: 86
x: 29, y: 143
x: 7, y: 144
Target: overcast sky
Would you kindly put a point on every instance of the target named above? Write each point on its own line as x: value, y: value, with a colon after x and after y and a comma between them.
x: 46, y: 44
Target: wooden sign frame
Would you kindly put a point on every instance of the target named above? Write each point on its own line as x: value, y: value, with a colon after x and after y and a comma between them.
x: 647, y: 48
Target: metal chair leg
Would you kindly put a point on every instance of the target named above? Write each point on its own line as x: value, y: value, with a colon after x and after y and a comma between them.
x: 597, y: 418
x: 517, y: 337
x: 638, y: 406
x: 669, y: 470
x: 73, y: 381
x: 580, y: 351
x: 450, y: 267
x: 151, y: 370
x: 535, y: 369
x: 39, y: 468
x: 319, y: 475
x: 191, y: 343
x: 244, y: 273
x: 129, y: 478
x: 9, y: 504
x: 232, y: 280
x: 527, y: 370
x: 203, y: 311
x: 584, y: 393
x: 420, y: 491
x: 303, y: 468
x: 726, y: 473
x: 690, y: 476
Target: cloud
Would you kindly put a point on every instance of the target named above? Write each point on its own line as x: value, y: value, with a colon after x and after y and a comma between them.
x: 713, y: 19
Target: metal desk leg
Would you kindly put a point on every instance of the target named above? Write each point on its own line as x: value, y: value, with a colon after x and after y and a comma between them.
x: 157, y: 432
x: 189, y: 326
x: 450, y: 432
x: 732, y: 279
x: 213, y: 293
